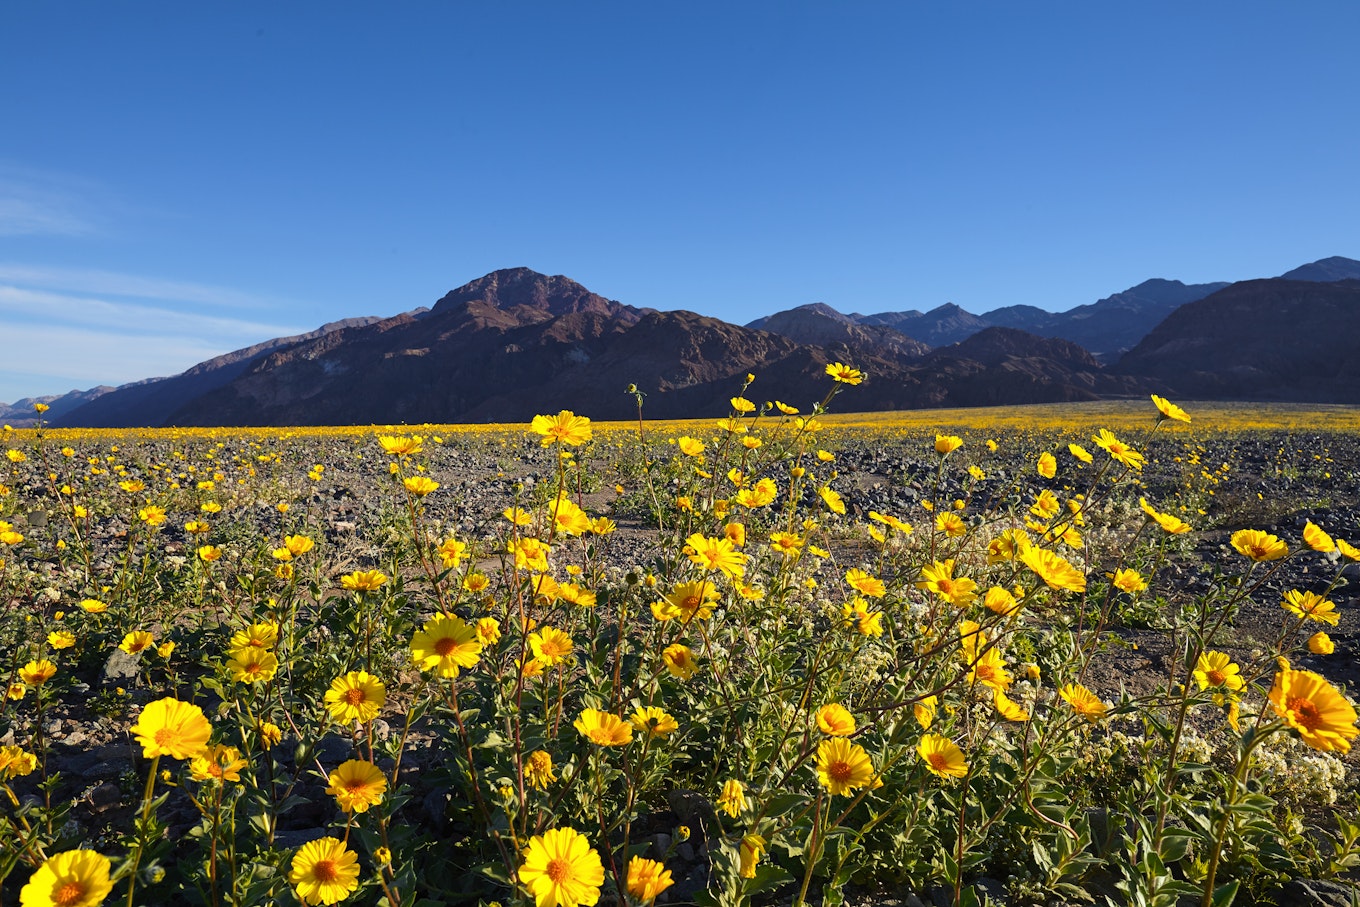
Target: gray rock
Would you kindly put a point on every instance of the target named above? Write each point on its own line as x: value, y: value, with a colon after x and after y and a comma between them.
x: 307, y: 814
x: 1309, y: 893
x: 333, y: 750
x: 112, y: 752
x: 993, y: 890
x: 105, y: 796
x: 106, y: 771
x: 435, y: 806
x: 695, y: 811
x: 295, y: 838
x: 121, y: 667
x: 686, y: 887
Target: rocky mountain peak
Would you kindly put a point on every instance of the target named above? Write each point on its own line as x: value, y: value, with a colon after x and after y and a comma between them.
x: 511, y: 288
x: 818, y: 324
x: 1326, y: 270
x: 948, y: 310
x: 1155, y: 284
x: 812, y: 312
x: 821, y: 308
x: 994, y: 345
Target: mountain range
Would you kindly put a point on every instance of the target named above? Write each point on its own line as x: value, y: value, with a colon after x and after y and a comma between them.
x: 1106, y: 328
x: 515, y: 343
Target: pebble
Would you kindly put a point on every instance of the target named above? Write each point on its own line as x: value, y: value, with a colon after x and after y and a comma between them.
x: 1306, y: 893
x: 121, y: 668
x: 292, y: 839
x: 105, y: 796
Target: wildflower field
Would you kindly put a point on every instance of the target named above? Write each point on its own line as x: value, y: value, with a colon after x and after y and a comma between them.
x: 1052, y: 655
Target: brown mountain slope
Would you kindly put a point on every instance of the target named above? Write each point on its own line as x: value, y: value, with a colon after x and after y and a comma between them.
x: 153, y: 401
x: 514, y: 289
x: 1259, y: 340
x: 1000, y: 366
x: 436, y: 369
x: 515, y: 343
x: 820, y: 325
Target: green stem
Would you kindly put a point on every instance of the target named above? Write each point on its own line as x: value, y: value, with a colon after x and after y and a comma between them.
x: 141, y: 827
x: 1239, y: 783
x: 813, y: 849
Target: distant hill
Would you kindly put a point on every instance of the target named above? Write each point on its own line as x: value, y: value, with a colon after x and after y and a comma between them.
x: 940, y: 326
x: 1326, y: 270
x: 151, y: 402
x: 1272, y: 339
x: 20, y: 413
x: 1107, y: 328
x: 1116, y: 323
x: 820, y: 325
x: 999, y: 366
x: 515, y: 343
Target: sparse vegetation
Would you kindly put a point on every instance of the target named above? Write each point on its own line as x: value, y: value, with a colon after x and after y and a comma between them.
x: 768, y: 656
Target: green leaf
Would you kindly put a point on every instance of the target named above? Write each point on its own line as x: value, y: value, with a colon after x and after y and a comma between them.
x: 1172, y: 889
x: 768, y: 876
x: 705, y: 898
x: 1225, y: 894
x: 780, y: 804
x: 1174, y: 845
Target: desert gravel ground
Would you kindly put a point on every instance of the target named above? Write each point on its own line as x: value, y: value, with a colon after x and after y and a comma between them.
x: 1276, y: 482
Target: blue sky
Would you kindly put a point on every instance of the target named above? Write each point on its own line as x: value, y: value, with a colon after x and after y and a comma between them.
x: 179, y: 180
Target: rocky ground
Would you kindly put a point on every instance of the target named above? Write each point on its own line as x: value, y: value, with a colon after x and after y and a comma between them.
x: 1274, y: 482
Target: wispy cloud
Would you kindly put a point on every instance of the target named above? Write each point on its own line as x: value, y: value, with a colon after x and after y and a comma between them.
x: 23, y: 214
x: 132, y: 319
x: 112, y: 283
x: 75, y: 358
x: 41, y: 203
x: 70, y: 328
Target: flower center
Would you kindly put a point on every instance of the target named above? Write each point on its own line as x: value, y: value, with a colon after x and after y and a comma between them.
x: 354, y: 696
x: 1305, y: 712
x: 445, y: 646
x: 166, y: 737
x: 70, y: 893
x: 839, y: 772
x: 324, y: 871
x: 1217, y: 678
x: 691, y: 603
x: 939, y: 761
x: 558, y: 871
